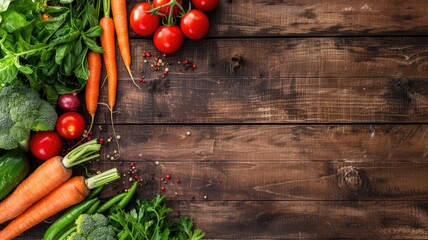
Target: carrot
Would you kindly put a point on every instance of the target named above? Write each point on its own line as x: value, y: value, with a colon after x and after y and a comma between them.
x: 47, y: 177
x: 92, y: 90
x: 118, y: 9
x: 109, y: 46
x: 72, y: 192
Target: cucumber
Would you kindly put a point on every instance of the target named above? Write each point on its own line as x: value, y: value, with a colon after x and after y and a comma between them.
x: 14, y: 168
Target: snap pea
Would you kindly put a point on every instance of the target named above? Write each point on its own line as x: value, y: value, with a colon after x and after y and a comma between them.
x: 67, y: 233
x: 95, y: 192
x: 112, y: 201
x: 125, y: 200
x: 93, y: 208
x: 67, y: 218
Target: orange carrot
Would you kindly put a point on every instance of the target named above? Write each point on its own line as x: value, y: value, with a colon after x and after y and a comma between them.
x: 47, y: 177
x: 73, y: 191
x: 118, y: 9
x: 92, y: 90
x: 109, y: 46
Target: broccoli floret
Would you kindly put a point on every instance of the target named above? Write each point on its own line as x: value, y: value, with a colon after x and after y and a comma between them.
x: 22, y: 110
x: 102, y: 233
x: 93, y: 227
x: 85, y: 224
x: 100, y: 220
x: 76, y: 236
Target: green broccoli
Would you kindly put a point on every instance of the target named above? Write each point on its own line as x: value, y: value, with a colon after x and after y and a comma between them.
x: 22, y: 110
x: 76, y: 236
x: 93, y: 227
x: 85, y: 224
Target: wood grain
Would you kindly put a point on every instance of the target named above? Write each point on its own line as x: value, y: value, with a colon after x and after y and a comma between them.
x: 278, y: 181
x: 301, y: 219
x: 350, y: 81
x: 252, y: 18
x: 235, y: 143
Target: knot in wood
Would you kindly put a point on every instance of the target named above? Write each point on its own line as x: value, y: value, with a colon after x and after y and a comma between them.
x: 352, y: 179
x: 235, y: 62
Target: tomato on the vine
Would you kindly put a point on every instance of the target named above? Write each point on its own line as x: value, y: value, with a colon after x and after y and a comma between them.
x: 168, y: 39
x: 45, y: 144
x: 195, y: 24
x: 165, y: 10
x: 142, y: 21
x: 205, y: 5
x: 70, y: 125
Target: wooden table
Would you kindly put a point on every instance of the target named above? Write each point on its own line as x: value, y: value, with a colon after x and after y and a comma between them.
x: 303, y: 119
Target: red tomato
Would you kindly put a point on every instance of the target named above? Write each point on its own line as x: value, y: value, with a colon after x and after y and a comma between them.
x: 195, y: 24
x: 168, y: 39
x: 45, y: 144
x: 165, y: 10
x: 70, y: 125
x: 142, y: 22
x: 205, y: 5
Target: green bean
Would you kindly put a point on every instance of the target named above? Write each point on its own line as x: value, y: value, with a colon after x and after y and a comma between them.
x: 67, y: 233
x: 95, y: 192
x: 125, y: 200
x: 93, y: 208
x: 112, y: 201
x: 67, y: 218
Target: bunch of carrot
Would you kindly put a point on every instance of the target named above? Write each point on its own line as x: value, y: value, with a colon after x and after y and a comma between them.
x: 50, y: 189
x: 111, y: 27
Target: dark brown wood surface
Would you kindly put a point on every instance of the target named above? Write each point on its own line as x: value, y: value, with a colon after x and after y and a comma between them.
x: 320, y: 132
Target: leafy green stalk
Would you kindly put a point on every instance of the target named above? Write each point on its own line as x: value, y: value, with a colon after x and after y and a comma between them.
x: 149, y: 221
x: 82, y: 153
x: 102, y: 178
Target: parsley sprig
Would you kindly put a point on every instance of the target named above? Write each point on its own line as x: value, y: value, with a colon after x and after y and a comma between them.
x: 148, y: 221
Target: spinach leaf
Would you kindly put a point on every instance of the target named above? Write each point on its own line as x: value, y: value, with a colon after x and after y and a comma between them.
x: 62, y: 51
x: 66, y: 38
x: 68, y: 64
x: 95, y: 31
x: 8, y: 72
x: 93, y: 45
x: 82, y: 70
x: 23, y: 68
x: 13, y: 21
x: 49, y: 26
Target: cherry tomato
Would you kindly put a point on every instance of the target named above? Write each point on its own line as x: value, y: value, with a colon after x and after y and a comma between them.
x: 195, y: 24
x: 205, y: 5
x: 168, y: 39
x: 45, y: 144
x: 70, y: 125
x: 165, y: 10
x: 142, y: 22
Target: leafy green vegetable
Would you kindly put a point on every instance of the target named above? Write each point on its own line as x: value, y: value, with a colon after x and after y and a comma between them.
x: 45, y: 47
x: 22, y: 110
x: 149, y: 221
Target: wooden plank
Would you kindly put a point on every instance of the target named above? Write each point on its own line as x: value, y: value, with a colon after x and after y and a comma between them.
x: 265, y: 180
x: 301, y: 219
x: 351, y: 80
x: 249, y: 18
x: 236, y: 143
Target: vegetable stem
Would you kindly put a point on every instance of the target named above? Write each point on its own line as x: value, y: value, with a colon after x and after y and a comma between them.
x: 82, y: 153
x: 102, y: 178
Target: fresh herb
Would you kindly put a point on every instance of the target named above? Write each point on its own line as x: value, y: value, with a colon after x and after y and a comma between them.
x: 45, y: 46
x: 149, y: 221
